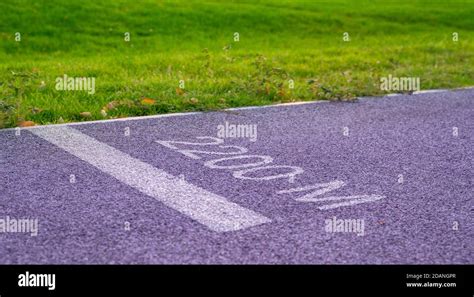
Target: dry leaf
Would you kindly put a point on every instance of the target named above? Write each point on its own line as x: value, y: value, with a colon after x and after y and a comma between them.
x: 26, y: 124
x: 193, y: 100
x: 148, y: 101
x: 103, y: 113
x: 179, y: 92
x: 85, y: 114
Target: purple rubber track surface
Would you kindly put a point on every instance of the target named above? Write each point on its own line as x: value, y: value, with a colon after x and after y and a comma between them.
x: 409, y: 135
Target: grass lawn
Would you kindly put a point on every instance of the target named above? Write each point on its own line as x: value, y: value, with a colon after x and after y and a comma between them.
x: 280, y: 43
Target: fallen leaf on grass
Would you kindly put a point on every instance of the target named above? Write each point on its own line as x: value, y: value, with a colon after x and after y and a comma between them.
x: 179, y: 92
x: 148, y: 101
x: 26, y: 124
x: 85, y: 114
x: 193, y: 100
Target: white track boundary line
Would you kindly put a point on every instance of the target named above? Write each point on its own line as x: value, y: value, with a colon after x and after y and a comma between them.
x: 211, y: 210
x: 177, y: 114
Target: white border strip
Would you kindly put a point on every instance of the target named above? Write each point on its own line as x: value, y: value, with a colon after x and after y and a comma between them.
x: 177, y: 114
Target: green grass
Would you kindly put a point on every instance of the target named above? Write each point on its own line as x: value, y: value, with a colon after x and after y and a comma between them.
x: 193, y: 41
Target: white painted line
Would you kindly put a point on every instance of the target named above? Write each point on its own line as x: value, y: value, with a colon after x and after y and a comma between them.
x: 166, y: 115
x: 137, y: 118
x: 429, y: 91
x: 353, y: 200
x: 277, y: 105
x: 211, y: 210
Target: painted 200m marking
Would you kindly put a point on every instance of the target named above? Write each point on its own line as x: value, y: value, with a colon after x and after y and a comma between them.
x: 327, y: 187
x: 240, y: 174
x: 244, y: 172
